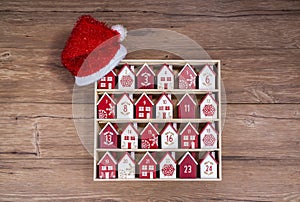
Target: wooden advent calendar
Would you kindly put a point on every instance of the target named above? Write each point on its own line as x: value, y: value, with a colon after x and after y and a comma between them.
x: 159, y: 120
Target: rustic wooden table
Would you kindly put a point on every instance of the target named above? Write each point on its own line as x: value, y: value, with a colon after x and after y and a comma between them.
x: 41, y: 155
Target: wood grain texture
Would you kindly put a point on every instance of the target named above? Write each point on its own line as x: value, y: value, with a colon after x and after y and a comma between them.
x: 249, y: 76
x: 42, y: 157
x: 70, y: 179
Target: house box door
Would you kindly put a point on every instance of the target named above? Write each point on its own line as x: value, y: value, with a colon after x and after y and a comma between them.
x: 165, y: 85
x: 164, y: 115
x: 151, y: 175
x: 148, y: 116
x: 129, y: 145
x: 193, y: 145
x: 106, y: 175
x: 109, y: 86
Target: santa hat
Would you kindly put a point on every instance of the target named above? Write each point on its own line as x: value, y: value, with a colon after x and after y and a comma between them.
x: 93, y: 50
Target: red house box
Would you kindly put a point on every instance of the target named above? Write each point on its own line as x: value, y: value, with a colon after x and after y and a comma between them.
x: 186, y: 107
x: 145, y: 77
x: 164, y: 107
x: 208, y: 107
x: 209, y: 137
x: 125, y: 107
x: 165, y: 78
x: 169, y: 137
x: 149, y: 137
x: 129, y: 138
x: 106, y: 107
x: 187, y: 77
x: 143, y: 107
x: 108, y: 81
x: 108, y: 136
x: 147, y: 167
x: 107, y: 167
x: 126, y: 78
x: 189, y: 137
x: 167, y: 167
x: 187, y: 166
x: 207, y: 78
x: 208, y: 166
x: 126, y: 167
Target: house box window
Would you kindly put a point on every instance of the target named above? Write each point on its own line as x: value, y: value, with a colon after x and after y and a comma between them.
x: 102, y: 85
x: 167, y: 107
x: 148, y: 109
x: 103, y: 167
x: 144, y: 167
x: 132, y: 138
x: 103, y: 79
x: 141, y: 108
x: 126, y: 137
x: 151, y: 167
x: 109, y: 79
x: 110, y: 168
x: 141, y: 115
x: 186, y: 144
x: 161, y: 108
x: 168, y: 78
x: 185, y: 137
x: 162, y: 78
x: 144, y: 173
x: 192, y: 137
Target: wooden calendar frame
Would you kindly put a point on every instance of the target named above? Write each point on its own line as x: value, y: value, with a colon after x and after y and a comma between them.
x: 138, y: 63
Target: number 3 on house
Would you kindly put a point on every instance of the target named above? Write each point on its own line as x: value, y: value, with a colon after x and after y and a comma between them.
x: 187, y: 169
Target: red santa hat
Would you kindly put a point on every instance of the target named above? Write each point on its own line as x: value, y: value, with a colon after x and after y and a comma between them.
x: 93, y: 50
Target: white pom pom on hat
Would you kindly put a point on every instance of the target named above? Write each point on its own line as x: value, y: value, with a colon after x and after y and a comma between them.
x: 121, y: 29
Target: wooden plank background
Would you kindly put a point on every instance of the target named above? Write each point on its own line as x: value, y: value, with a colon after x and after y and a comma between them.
x: 41, y: 155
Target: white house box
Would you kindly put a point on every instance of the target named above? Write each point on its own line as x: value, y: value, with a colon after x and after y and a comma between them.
x: 208, y: 107
x: 129, y: 138
x: 207, y: 78
x: 164, y: 107
x: 165, y: 78
x: 169, y: 137
x: 167, y: 167
x: 126, y: 167
x: 208, y: 137
x: 125, y: 107
x: 126, y: 78
x: 208, y: 167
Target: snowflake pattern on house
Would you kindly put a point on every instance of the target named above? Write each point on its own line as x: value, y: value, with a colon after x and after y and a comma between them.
x: 126, y: 78
x: 187, y: 78
x: 167, y: 166
x: 149, y: 137
x: 208, y: 107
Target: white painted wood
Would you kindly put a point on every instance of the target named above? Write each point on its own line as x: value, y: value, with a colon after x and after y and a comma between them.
x: 164, y: 108
x: 208, y: 137
x: 126, y: 167
x: 208, y: 168
x: 155, y: 91
x: 157, y: 120
x: 165, y: 78
x: 169, y: 137
x: 129, y: 138
x: 125, y: 108
x: 126, y: 79
x: 207, y: 78
x: 167, y: 167
x: 208, y: 108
